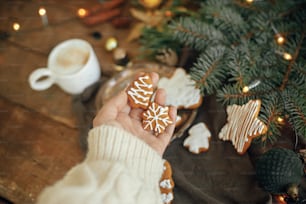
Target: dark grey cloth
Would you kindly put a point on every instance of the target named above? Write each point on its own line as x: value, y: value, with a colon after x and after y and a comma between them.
x: 219, y: 175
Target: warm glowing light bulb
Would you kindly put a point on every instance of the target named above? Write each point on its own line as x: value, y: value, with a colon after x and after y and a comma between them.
x: 150, y: 4
x: 168, y: 13
x: 280, y: 119
x: 281, y: 199
x: 287, y: 56
x: 111, y: 44
x: 249, y: 1
x: 16, y: 26
x: 280, y: 39
x: 82, y: 12
x: 245, y: 89
x: 42, y: 11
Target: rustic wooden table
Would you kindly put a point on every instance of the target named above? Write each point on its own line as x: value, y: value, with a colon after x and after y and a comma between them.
x: 38, y: 130
x: 39, y: 135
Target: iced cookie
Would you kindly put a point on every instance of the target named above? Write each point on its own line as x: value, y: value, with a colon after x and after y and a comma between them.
x: 198, y: 139
x: 181, y: 90
x: 140, y: 92
x: 166, y: 184
x: 243, y: 125
x: 156, y: 118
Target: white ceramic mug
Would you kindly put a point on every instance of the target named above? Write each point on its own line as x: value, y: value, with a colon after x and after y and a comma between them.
x: 72, y: 65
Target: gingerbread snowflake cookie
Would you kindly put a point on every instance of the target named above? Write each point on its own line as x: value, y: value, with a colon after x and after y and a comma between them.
x: 140, y: 92
x: 166, y: 184
x: 156, y: 118
x: 198, y: 139
x: 243, y: 125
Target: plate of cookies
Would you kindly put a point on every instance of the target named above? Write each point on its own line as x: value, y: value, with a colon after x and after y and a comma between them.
x: 180, y: 90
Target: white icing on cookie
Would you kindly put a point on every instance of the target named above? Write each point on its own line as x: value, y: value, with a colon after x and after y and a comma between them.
x: 156, y: 118
x: 167, y: 197
x: 142, y: 92
x: 166, y: 184
x: 242, y: 125
x: 180, y: 89
x: 198, y: 139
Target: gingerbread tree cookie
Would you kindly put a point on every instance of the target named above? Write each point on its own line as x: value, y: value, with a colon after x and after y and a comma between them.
x: 166, y: 184
x: 198, y: 139
x: 156, y: 118
x: 140, y: 92
x: 242, y: 125
x: 181, y: 90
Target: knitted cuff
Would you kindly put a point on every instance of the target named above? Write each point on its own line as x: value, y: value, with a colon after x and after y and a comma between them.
x: 115, y: 144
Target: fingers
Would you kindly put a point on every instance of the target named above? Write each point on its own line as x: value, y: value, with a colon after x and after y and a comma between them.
x: 155, y: 77
x: 168, y: 133
x: 172, y: 114
x: 160, y: 97
x: 165, y: 137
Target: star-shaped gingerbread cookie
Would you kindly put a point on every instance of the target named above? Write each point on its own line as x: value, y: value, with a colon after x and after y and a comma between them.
x: 243, y: 125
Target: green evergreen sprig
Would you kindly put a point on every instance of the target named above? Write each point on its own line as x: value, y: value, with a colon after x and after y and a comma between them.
x: 237, y: 46
x: 236, y: 42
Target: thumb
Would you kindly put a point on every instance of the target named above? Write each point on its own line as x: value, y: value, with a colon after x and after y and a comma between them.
x: 166, y: 136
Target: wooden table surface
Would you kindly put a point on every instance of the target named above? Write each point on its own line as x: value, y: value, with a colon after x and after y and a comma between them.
x: 39, y: 135
x: 38, y: 129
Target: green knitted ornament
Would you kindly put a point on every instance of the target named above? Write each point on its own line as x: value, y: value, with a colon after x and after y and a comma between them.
x: 279, y: 168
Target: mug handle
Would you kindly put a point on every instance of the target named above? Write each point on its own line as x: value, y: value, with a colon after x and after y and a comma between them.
x: 43, y: 84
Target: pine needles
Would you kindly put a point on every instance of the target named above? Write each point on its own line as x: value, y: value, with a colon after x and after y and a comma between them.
x: 239, y: 47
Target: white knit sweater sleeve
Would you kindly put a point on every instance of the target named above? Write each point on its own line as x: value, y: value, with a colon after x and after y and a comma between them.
x: 119, y: 168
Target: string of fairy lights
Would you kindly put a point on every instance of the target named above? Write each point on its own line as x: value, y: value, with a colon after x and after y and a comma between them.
x: 280, y: 40
x: 42, y: 12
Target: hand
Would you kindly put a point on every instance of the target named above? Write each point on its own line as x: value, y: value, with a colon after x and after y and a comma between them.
x: 117, y: 112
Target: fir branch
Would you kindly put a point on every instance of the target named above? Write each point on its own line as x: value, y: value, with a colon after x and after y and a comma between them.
x: 272, y: 107
x: 224, y: 17
x: 195, y: 33
x: 153, y: 41
x: 289, y: 68
x: 238, y: 62
x: 230, y: 94
x: 296, y: 109
x: 207, y: 72
x: 246, y: 33
x: 244, y: 5
x: 298, y: 82
x: 294, y: 8
x: 229, y: 22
